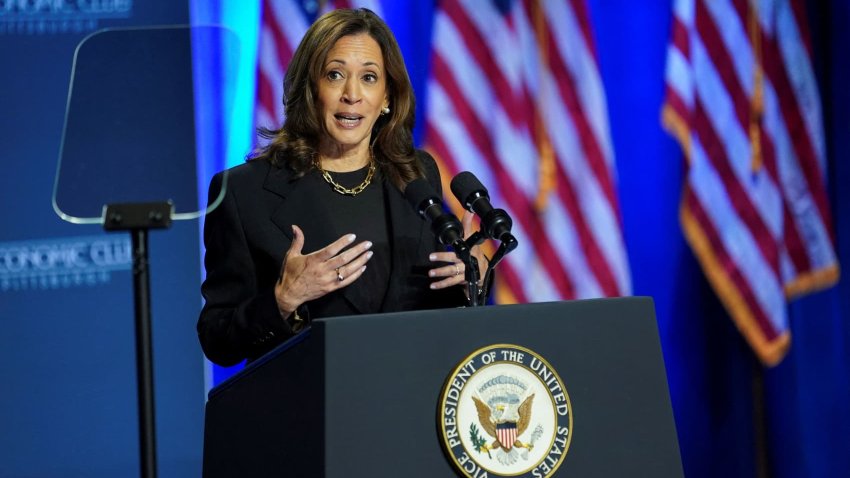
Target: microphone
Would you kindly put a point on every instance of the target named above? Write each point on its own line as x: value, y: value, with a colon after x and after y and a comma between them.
x: 495, y: 223
x: 425, y: 200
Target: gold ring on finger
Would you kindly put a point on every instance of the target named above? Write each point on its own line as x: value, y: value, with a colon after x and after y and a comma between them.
x: 457, y: 269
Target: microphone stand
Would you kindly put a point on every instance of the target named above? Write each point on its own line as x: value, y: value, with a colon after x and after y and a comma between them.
x: 471, y: 274
x: 478, y: 296
x: 139, y: 219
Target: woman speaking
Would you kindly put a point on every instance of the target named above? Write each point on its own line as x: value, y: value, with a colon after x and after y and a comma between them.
x: 315, y: 224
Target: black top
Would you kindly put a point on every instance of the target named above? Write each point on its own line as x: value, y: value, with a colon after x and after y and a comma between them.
x: 364, y: 215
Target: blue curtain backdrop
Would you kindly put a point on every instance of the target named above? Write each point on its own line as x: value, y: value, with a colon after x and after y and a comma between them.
x: 710, y: 368
x: 67, y: 363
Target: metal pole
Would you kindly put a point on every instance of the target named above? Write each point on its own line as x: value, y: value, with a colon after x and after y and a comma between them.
x: 762, y: 459
x: 144, y: 354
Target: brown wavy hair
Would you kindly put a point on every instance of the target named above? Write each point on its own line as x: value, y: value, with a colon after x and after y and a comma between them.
x: 295, y: 144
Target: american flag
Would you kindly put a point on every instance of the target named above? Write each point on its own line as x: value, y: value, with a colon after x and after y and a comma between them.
x: 515, y: 96
x: 283, y: 24
x: 742, y: 100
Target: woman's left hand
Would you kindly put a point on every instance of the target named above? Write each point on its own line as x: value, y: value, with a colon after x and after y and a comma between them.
x: 455, y: 272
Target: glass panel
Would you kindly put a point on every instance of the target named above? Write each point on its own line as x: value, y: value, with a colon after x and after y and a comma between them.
x: 134, y: 127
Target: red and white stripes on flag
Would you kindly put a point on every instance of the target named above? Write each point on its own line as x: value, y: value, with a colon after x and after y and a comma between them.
x: 516, y: 97
x: 743, y: 102
x: 283, y: 24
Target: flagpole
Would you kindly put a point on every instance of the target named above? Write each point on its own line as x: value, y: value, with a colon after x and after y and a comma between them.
x: 759, y: 419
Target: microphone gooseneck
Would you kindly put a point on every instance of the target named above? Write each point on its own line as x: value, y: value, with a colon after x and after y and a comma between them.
x: 445, y: 226
x: 495, y: 223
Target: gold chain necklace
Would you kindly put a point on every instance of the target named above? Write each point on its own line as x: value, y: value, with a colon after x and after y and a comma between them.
x: 344, y: 190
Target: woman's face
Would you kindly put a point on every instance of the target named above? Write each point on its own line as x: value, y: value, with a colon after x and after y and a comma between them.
x: 352, y: 92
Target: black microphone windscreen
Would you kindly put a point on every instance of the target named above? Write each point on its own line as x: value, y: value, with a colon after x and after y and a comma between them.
x: 419, y: 190
x: 465, y: 184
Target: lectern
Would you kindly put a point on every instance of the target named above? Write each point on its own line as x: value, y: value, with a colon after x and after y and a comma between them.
x: 372, y: 396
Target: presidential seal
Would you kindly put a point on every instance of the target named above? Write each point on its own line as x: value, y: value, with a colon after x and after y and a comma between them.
x: 504, y: 411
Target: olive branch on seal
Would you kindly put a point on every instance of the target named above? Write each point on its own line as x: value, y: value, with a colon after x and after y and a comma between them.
x: 478, y: 441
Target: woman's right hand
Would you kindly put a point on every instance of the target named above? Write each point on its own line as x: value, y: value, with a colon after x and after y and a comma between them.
x: 307, y: 277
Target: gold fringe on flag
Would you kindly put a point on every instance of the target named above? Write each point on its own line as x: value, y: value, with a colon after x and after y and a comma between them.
x: 546, y: 182
x: 757, y: 101
x: 546, y: 173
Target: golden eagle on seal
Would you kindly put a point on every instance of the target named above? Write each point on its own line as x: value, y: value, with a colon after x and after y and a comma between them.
x: 504, y: 427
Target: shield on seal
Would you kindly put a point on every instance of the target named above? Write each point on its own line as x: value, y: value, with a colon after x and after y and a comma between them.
x: 506, y: 433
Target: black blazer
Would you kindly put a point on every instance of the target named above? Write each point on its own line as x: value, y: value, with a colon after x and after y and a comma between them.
x: 248, y: 234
